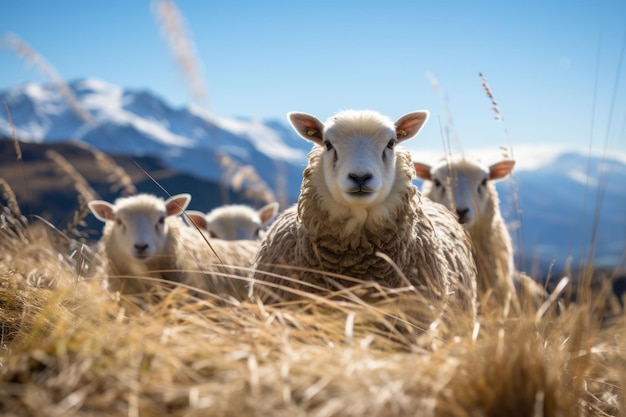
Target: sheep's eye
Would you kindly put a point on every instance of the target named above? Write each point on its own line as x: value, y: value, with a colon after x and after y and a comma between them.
x: 391, y: 144
x: 162, y: 220
x: 483, y: 183
x: 329, y: 145
x: 257, y: 232
x: 212, y: 235
x: 119, y: 222
x: 437, y: 183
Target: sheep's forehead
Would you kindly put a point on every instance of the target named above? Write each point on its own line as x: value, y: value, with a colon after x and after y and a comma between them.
x: 351, y: 124
x: 470, y: 168
x: 141, y: 204
x: 233, y: 212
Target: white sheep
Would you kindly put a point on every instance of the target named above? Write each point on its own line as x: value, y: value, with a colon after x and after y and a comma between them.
x: 466, y: 186
x: 144, y: 237
x: 235, y: 221
x: 357, y: 199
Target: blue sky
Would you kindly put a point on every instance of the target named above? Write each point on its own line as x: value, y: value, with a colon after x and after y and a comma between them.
x: 552, y: 65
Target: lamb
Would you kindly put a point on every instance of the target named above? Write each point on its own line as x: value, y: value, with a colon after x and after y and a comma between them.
x: 357, y: 200
x: 466, y: 186
x: 235, y: 221
x: 144, y: 238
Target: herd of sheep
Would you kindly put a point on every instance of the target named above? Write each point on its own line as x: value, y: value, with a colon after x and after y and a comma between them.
x: 359, y: 219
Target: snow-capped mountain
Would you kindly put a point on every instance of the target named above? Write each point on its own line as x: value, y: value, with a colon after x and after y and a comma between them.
x: 189, y: 140
x: 554, y: 202
x: 562, y: 203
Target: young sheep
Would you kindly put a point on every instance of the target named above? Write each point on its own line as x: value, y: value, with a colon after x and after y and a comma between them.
x: 235, y: 221
x: 466, y: 186
x: 143, y: 237
x: 357, y: 200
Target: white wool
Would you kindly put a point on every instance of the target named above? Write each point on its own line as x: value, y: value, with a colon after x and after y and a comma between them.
x: 144, y: 239
x: 357, y: 200
x: 465, y: 186
x: 234, y: 221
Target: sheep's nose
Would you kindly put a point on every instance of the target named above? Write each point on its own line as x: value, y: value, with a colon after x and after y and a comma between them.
x: 360, y: 179
x: 462, y: 213
x: 141, y: 247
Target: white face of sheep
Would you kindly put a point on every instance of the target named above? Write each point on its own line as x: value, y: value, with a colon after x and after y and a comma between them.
x: 140, y: 228
x: 359, y: 162
x: 234, y: 222
x: 462, y: 185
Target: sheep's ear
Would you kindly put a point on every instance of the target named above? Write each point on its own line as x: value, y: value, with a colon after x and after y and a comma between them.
x: 197, y: 218
x: 307, y: 126
x: 177, y: 204
x: 422, y: 171
x: 102, y: 210
x: 500, y: 169
x: 408, y: 125
x: 268, y: 212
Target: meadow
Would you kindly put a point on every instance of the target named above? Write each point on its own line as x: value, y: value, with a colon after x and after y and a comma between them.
x: 69, y: 347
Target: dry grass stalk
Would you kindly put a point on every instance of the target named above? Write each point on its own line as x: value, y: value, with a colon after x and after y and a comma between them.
x: 494, y: 103
x: 9, y: 196
x: 180, y: 43
x: 66, y: 168
x: 115, y: 173
x: 18, y: 152
x: 517, y: 232
x: 32, y: 57
x: 85, y: 192
x: 449, y: 134
x: 18, y: 149
x: 244, y: 178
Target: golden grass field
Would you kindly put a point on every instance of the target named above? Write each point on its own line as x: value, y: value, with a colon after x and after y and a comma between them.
x: 71, y: 348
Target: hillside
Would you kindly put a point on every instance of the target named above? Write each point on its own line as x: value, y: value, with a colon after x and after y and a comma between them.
x: 42, y: 188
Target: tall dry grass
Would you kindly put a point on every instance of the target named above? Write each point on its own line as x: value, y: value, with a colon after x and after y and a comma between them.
x: 34, y: 58
x: 173, y: 29
x: 70, y: 348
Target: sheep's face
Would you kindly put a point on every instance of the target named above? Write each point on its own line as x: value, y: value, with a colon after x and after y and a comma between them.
x: 234, y: 222
x: 139, y: 226
x: 463, y: 185
x: 358, y: 164
x: 140, y: 234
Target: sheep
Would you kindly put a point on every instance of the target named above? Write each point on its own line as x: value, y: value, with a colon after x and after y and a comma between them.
x: 465, y: 186
x: 234, y: 221
x: 144, y: 237
x: 357, y: 200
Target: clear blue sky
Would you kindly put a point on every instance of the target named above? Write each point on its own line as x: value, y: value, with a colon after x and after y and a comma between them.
x: 265, y: 58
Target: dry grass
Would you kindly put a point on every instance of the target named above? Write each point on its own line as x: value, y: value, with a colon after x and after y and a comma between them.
x: 244, y: 178
x: 69, y: 348
x: 34, y: 58
x: 85, y: 192
x: 118, y: 177
x: 172, y: 25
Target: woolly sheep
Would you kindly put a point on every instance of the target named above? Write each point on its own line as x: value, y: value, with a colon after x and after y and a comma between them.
x: 144, y: 237
x: 357, y: 199
x: 465, y: 185
x: 234, y: 221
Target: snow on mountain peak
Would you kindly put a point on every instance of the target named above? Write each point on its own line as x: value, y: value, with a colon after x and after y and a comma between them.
x: 95, y: 85
x: 261, y: 136
x: 35, y: 92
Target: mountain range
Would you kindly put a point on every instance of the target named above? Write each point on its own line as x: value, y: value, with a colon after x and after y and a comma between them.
x: 554, y: 209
